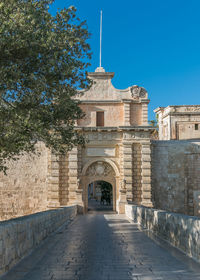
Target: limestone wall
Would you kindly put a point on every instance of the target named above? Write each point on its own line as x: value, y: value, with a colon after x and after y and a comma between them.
x: 19, y: 236
x: 136, y: 114
x: 24, y: 189
x: 183, y: 127
x: 113, y: 114
x: 176, y: 176
x: 180, y: 230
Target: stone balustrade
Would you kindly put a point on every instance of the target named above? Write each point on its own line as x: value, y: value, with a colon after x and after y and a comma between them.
x: 21, y: 235
x: 179, y: 230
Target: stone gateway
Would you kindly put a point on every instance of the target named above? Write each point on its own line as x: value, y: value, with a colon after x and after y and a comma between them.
x: 117, y: 149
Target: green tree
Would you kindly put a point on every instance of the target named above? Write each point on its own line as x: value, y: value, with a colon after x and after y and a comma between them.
x: 43, y: 61
x: 153, y: 123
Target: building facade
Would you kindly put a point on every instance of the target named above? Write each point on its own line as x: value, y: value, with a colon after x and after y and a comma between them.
x: 117, y: 147
x: 179, y: 122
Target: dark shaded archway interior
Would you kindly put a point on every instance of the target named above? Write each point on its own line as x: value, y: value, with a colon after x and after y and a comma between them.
x: 100, y: 196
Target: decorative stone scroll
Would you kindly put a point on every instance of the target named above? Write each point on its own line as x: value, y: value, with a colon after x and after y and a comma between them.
x: 100, y: 169
x: 138, y: 92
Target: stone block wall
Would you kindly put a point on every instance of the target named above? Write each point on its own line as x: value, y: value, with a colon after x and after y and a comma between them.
x: 180, y: 230
x: 24, y: 189
x: 58, y: 182
x: 19, y: 236
x: 176, y: 176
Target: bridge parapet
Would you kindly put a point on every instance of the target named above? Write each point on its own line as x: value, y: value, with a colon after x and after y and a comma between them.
x: 18, y: 237
x: 179, y: 230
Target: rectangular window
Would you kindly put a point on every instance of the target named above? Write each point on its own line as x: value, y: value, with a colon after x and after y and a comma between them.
x: 196, y: 126
x: 100, y: 119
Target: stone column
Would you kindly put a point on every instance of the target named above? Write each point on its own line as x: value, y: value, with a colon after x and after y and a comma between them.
x: 73, y: 175
x: 53, y: 192
x: 146, y: 174
x: 127, y: 112
x: 144, y: 113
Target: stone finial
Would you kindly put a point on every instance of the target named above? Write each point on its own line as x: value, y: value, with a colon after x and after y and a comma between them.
x: 100, y: 69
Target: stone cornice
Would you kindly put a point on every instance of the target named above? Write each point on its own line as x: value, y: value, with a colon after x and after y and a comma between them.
x: 182, y: 114
x: 116, y: 128
x: 99, y: 101
x: 113, y: 101
x: 178, y: 110
x: 145, y: 101
x: 101, y: 75
x: 159, y: 109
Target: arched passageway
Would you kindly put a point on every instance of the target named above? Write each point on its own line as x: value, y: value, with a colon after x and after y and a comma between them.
x: 100, y: 196
x: 103, y: 173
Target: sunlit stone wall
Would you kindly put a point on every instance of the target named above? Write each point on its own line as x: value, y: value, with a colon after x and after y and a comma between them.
x: 24, y: 189
x: 176, y: 176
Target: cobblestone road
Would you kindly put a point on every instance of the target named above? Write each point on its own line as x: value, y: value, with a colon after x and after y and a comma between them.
x: 104, y: 247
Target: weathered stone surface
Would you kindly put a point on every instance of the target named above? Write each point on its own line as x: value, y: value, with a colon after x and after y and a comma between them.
x: 196, y: 202
x: 19, y: 236
x: 180, y: 230
x: 24, y: 190
x: 176, y: 175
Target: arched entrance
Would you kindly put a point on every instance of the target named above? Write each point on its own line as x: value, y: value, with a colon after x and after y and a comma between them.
x: 97, y: 171
x: 100, y: 196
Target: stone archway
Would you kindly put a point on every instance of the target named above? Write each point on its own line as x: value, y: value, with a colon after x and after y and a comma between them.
x: 100, y: 170
x: 100, y: 197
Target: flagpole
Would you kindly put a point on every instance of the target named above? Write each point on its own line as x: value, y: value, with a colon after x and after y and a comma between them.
x: 100, y: 38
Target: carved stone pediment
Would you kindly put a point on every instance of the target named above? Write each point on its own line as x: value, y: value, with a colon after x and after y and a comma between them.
x: 100, y: 168
x: 102, y: 89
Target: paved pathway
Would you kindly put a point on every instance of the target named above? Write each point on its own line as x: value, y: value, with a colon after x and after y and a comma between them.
x: 96, y: 206
x: 103, y: 247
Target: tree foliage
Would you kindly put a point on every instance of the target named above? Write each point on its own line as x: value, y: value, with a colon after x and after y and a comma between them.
x: 153, y: 123
x: 43, y: 61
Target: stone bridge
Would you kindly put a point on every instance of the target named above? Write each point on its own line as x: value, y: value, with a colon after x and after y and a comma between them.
x: 58, y: 245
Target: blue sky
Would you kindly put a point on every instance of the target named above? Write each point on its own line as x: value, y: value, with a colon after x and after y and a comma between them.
x: 150, y: 43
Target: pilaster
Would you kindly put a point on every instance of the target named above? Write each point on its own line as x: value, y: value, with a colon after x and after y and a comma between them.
x: 128, y: 169
x: 146, y: 174
x: 127, y: 116
x: 53, y: 192
x: 73, y: 175
x: 137, y: 185
x: 144, y: 113
x: 63, y: 179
